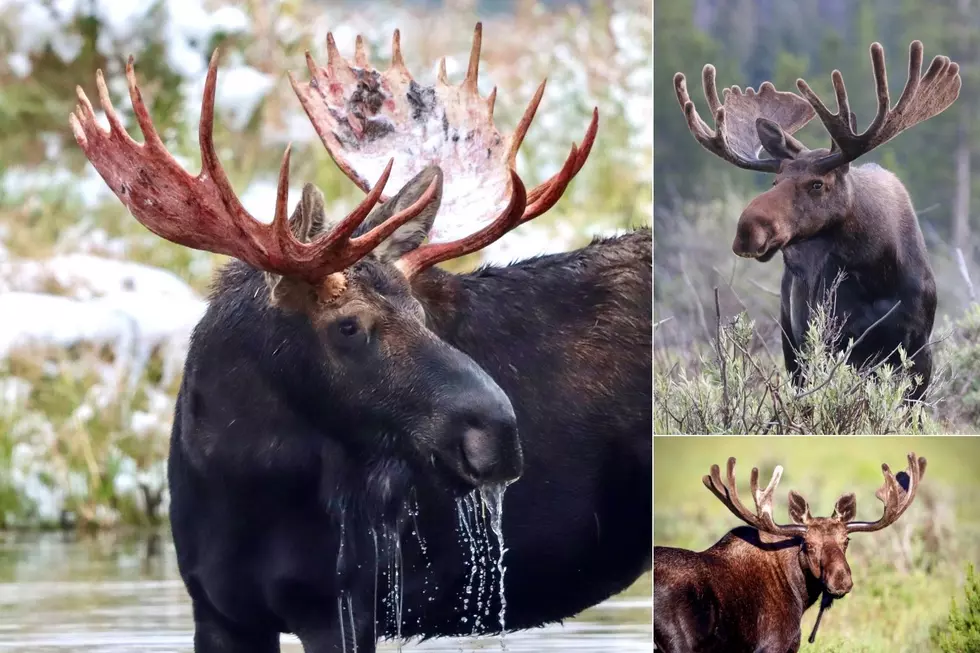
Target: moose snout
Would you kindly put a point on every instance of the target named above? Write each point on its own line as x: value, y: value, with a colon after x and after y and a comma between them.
x: 751, y: 238
x: 485, y: 429
x: 839, y: 583
x: 489, y: 451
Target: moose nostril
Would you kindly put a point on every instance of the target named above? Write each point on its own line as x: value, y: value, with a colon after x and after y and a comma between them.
x: 492, y: 452
x: 479, y: 451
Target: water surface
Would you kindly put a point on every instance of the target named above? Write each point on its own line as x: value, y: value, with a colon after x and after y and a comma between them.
x: 112, y: 593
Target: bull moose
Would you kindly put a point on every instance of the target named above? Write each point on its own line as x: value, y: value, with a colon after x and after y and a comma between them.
x: 343, y: 398
x: 748, y: 592
x: 829, y: 219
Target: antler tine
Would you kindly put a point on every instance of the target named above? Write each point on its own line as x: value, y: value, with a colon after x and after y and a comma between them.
x: 360, y: 52
x: 896, y: 493
x: 517, y: 138
x: 581, y: 154
x: 923, y: 97
x: 397, y: 62
x: 430, y: 254
x: 763, y: 500
x: 362, y: 245
x: 762, y: 519
x: 473, y: 69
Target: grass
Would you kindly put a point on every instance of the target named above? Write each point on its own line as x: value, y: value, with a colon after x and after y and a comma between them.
x: 905, y: 576
x: 739, y: 385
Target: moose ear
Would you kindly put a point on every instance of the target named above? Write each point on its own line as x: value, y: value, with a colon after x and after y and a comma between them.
x: 308, y: 217
x: 846, y: 508
x: 777, y: 142
x: 307, y: 222
x: 799, y: 510
x: 412, y: 233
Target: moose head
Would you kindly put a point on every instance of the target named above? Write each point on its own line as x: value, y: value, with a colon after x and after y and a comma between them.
x: 812, y: 190
x: 824, y: 539
x: 392, y: 385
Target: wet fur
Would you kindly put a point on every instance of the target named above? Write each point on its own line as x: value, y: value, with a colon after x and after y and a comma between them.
x: 261, y: 493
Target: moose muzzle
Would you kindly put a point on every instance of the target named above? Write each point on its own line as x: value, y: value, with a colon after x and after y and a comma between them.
x: 763, y: 228
x: 479, y: 429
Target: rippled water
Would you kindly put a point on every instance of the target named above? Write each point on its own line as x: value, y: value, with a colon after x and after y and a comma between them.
x: 112, y: 593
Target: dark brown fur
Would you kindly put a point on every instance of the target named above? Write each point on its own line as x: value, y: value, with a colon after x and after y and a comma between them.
x: 831, y: 221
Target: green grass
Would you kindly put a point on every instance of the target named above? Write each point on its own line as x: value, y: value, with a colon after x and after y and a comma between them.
x: 905, y: 576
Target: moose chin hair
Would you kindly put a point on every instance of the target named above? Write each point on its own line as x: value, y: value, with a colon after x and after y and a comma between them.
x: 375, y: 492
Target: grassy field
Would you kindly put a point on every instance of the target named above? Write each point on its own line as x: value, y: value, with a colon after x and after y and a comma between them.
x: 905, y: 577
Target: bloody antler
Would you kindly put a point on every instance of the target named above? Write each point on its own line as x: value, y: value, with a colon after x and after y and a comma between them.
x: 364, y: 117
x: 203, y: 212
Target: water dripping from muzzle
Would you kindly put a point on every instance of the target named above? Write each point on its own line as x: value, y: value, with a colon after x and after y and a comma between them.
x: 393, y: 600
x: 493, y: 500
x: 472, y: 511
x: 350, y: 615
x: 340, y: 619
x: 467, y: 538
x: 377, y: 570
x: 413, y: 512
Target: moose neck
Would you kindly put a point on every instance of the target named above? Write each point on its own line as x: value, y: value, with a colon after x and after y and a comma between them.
x: 864, y: 236
x: 781, y: 556
x: 812, y: 586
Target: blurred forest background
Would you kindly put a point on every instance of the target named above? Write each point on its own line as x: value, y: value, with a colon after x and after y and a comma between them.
x: 698, y: 197
x: 95, y: 311
x: 906, y: 577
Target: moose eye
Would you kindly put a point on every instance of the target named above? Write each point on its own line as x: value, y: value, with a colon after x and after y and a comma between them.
x: 816, y: 185
x: 348, y: 327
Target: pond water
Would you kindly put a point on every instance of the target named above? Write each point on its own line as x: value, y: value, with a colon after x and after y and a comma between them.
x: 112, y: 593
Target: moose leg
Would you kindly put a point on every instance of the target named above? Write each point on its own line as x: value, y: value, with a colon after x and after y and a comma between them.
x: 344, y: 626
x: 215, y: 634
x: 790, y: 346
x: 333, y: 641
x: 921, y: 366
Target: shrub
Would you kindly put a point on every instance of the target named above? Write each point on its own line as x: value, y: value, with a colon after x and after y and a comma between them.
x: 961, y: 632
x: 735, y: 391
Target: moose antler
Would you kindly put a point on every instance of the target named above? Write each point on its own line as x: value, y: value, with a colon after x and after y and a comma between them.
x: 896, y: 493
x: 735, y: 137
x: 923, y: 98
x: 203, y: 212
x: 762, y: 519
x: 365, y: 116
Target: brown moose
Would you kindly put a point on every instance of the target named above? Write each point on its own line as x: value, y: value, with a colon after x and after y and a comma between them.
x: 828, y: 218
x: 748, y: 592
